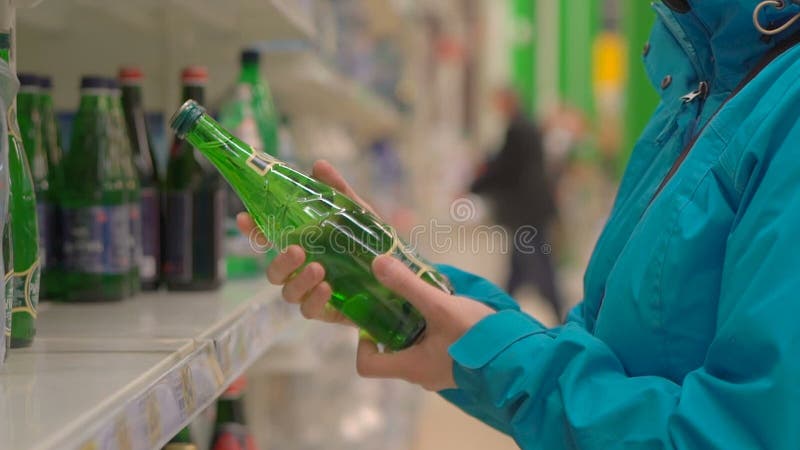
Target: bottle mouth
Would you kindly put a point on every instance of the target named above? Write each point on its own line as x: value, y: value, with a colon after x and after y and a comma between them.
x: 184, y: 119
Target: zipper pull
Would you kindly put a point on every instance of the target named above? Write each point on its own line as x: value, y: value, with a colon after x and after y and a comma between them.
x: 701, y: 91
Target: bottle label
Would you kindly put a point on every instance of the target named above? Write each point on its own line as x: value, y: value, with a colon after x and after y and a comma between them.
x: 46, y: 214
x: 261, y: 162
x: 194, y: 232
x: 96, y: 239
x: 148, y: 264
x: 26, y: 290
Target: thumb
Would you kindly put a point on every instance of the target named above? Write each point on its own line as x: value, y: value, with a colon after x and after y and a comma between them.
x: 401, y: 280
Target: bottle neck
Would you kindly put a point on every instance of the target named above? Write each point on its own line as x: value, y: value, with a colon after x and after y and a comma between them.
x: 250, y: 73
x: 194, y: 92
x: 132, y: 95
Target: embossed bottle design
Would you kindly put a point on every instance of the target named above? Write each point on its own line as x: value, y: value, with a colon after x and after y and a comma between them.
x: 293, y: 208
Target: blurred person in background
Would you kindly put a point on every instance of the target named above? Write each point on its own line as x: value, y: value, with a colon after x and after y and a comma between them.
x: 687, y: 336
x: 517, y: 185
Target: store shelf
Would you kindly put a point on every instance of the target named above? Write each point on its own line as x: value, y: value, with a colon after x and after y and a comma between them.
x: 130, y: 375
x: 245, y: 20
x: 304, y: 85
x: 384, y: 16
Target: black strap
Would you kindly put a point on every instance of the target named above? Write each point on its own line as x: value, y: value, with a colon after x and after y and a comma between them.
x: 776, y: 51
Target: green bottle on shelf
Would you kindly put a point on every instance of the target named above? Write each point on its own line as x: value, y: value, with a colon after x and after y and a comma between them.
x: 31, y: 129
x: 249, y: 112
x: 293, y: 208
x: 50, y: 237
x: 194, y: 207
x: 8, y: 90
x: 132, y: 187
x: 144, y: 157
x: 24, y: 229
x: 96, y: 213
x: 230, y: 429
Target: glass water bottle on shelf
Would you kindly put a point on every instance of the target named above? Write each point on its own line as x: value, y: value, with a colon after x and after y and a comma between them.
x: 230, y: 430
x: 194, y: 208
x: 96, y: 218
x: 293, y: 208
x: 24, y: 229
x: 51, y: 284
x: 8, y: 90
x: 249, y: 112
x: 31, y: 129
x: 144, y: 157
x: 122, y: 145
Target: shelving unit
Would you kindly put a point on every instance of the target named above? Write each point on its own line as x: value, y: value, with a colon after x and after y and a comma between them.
x: 130, y: 375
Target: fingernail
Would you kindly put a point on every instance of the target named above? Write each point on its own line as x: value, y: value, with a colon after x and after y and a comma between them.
x: 241, y: 216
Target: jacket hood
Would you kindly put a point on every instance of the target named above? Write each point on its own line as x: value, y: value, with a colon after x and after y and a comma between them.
x: 720, y: 38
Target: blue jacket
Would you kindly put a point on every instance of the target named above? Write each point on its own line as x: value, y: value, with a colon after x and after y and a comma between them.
x: 689, y: 332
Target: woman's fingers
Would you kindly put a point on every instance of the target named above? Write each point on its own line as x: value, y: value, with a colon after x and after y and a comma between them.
x: 285, y: 264
x: 313, y: 305
x: 325, y: 172
x: 397, y: 277
x: 300, y: 285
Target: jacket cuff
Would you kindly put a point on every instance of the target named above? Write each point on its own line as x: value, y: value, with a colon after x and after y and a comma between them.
x: 477, y: 288
x: 491, y: 336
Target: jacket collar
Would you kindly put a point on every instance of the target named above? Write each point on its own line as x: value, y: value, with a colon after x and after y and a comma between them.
x: 719, y: 38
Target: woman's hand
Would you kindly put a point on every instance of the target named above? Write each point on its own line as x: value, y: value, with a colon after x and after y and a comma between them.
x: 305, y: 287
x: 427, y: 363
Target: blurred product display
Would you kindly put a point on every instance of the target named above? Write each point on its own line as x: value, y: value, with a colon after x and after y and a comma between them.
x: 144, y: 156
x: 293, y: 208
x: 250, y: 113
x: 24, y: 229
x: 194, y: 209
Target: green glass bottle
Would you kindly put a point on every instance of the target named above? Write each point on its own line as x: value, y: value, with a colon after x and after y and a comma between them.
x: 123, y: 148
x: 194, y: 208
x: 8, y: 89
x: 250, y: 114
x: 293, y: 208
x: 230, y: 429
x: 131, y: 79
x: 50, y: 226
x: 25, y: 232
x: 96, y: 214
x: 31, y: 127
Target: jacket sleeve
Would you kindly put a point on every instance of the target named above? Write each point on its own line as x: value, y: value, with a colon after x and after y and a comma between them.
x: 565, y: 389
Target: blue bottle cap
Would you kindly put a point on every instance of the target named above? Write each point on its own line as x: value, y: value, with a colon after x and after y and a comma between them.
x: 93, y: 82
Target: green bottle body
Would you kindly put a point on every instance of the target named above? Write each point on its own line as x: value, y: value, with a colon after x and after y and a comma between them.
x: 251, y: 116
x: 95, y: 206
x: 124, y: 151
x: 193, y: 258
x: 6, y: 264
x: 293, y: 208
x: 48, y: 202
x: 24, y: 222
x: 149, y: 205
